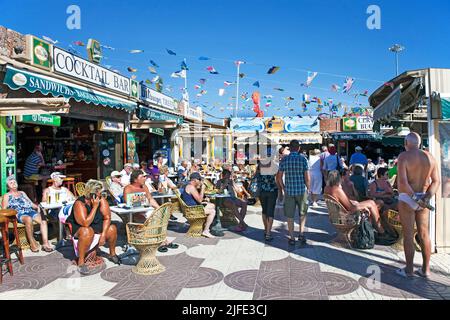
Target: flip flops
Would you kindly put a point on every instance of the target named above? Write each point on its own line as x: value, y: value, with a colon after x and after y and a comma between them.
x: 172, y: 245
x: 422, y: 274
x: 402, y: 273
x: 291, y: 242
x: 46, y: 249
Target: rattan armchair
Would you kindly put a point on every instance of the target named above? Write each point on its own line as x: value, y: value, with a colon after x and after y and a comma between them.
x: 80, y: 187
x: 195, y: 215
x: 147, y: 237
x: 344, y: 221
x: 394, y: 221
x: 209, y: 185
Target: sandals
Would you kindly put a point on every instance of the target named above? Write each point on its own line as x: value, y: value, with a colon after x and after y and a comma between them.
x: 291, y: 242
x: 46, y: 249
x: 208, y: 235
x: 172, y: 245
x: 302, y: 239
x: 402, y: 273
x: 422, y: 274
x: 36, y: 250
x: 268, y: 238
x: 115, y: 259
x: 163, y: 249
x: 84, y: 269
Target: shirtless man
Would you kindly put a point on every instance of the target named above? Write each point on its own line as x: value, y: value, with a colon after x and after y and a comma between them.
x: 137, y: 184
x: 334, y: 189
x: 418, y: 182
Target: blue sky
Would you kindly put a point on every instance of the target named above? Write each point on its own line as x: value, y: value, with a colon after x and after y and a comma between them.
x: 326, y: 36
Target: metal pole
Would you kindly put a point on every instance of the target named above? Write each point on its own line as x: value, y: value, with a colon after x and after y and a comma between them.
x: 237, y: 89
x: 396, y: 62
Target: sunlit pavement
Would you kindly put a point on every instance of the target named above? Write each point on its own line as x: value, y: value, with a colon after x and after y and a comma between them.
x: 237, y: 266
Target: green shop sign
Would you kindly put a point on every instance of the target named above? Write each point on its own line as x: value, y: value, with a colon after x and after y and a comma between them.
x: 21, y: 79
x: 94, y: 51
x: 157, y: 131
x: 42, y: 119
x: 40, y: 53
x: 152, y: 114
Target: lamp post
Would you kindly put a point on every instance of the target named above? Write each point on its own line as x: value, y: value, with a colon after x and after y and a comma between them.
x: 397, y: 49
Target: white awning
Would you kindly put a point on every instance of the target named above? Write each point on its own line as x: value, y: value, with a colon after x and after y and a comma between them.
x: 29, y: 106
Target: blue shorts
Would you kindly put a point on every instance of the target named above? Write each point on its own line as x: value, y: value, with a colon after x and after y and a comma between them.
x: 30, y: 214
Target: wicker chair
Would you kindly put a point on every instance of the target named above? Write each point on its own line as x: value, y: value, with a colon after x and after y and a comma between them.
x: 195, y: 215
x: 343, y: 221
x: 147, y: 237
x: 22, y: 242
x: 209, y: 185
x: 394, y: 221
x: 227, y: 216
x: 80, y: 186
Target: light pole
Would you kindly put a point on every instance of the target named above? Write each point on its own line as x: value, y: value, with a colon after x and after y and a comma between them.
x: 397, y: 48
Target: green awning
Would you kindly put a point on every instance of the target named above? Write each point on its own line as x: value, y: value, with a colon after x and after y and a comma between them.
x: 32, y: 82
x: 145, y: 113
x: 445, y: 108
x: 393, y: 141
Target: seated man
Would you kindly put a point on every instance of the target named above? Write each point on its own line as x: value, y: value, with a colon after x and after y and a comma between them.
x: 359, y: 181
x: 116, y: 186
x: 56, y: 193
x: 138, y: 185
x: 192, y: 197
x: 27, y: 211
x: 234, y: 203
x: 91, y: 216
x: 334, y: 189
x: 126, y: 172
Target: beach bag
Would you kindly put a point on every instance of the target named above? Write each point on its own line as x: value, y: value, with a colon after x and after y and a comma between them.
x: 365, y: 234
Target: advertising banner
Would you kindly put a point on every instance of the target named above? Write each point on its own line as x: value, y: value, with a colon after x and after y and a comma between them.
x: 7, y: 150
x: 275, y: 124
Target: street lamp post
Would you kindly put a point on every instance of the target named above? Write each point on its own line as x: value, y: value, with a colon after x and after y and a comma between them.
x: 397, y: 49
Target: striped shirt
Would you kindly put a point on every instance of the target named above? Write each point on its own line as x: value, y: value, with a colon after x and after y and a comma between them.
x: 294, y: 167
x: 31, y: 164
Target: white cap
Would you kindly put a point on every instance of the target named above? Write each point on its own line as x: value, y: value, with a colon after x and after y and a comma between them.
x: 136, y: 166
x: 358, y: 148
x: 127, y: 165
x: 116, y: 174
x: 55, y: 175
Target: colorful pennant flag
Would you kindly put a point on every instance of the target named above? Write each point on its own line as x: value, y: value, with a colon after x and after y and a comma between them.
x: 203, y: 58
x: 159, y: 84
x: 241, y: 75
x: 196, y: 87
x: 203, y: 92
x: 212, y: 70
x: 227, y: 83
x: 152, y: 70
x: 130, y: 69
x: 78, y: 43
x: 155, y: 79
x: 184, y: 65
x: 306, y: 98
x: 50, y: 40
x: 310, y: 78
x: 273, y: 70
x: 335, y: 88
x: 171, y: 52
x: 179, y: 74
x: 136, y: 51
x: 148, y: 81
x: 256, y: 84
x: 278, y: 89
x: 107, y: 47
x: 348, y: 84
x: 153, y: 63
x: 221, y: 92
x: 202, y: 81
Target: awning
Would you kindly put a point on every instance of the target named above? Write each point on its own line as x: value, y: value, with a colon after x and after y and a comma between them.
x: 388, y: 107
x: 145, y: 113
x: 371, y: 136
x: 278, y: 138
x: 445, y: 102
x: 32, y: 106
x: 393, y: 141
x: 32, y: 82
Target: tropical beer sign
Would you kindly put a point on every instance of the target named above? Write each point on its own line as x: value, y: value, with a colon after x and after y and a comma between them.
x: 357, y: 123
x: 94, y: 51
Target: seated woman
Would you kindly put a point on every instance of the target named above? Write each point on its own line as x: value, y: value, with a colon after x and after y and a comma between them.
x: 381, y: 189
x: 192, y: 197
x: 27, y: 211
x: 334, y: 189
x: 90, y: 216
x: 164, y: 181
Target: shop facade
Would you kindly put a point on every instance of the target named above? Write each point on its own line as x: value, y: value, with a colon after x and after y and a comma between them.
x: 85, y: 132
x: 419, y: 101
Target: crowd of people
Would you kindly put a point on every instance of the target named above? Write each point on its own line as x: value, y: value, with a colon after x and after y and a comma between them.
x: 291, y: 179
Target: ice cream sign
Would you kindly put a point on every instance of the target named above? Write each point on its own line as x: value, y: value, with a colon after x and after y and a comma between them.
x: 357, y: 123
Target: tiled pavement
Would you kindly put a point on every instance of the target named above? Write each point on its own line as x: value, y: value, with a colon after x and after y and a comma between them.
x: 237, y: 267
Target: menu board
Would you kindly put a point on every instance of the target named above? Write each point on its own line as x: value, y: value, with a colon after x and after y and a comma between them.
x: 7, y: 149
x: 137, y: 199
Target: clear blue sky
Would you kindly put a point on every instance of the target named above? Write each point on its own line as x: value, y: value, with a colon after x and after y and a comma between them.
x: 316, y: 35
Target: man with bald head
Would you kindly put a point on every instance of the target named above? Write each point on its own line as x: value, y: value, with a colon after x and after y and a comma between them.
x: 418, y: 182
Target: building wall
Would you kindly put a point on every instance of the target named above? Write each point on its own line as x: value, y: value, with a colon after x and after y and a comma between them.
x: 330, y: 125
x: 10, y: 39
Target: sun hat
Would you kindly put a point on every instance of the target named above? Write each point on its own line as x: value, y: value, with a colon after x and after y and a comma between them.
x: 116, y: 174
x: 55, y: 175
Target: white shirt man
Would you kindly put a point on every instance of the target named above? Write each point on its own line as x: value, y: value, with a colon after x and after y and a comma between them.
x: 116, y: 186
x: 126, y: 173
x: 56, y: 193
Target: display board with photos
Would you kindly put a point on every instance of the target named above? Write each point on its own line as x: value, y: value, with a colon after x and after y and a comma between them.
x: 7, y: 149
x: 136, y: 199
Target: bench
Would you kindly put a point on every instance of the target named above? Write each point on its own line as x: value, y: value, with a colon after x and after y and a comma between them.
x: 344, y: 222
x: 147, y: 237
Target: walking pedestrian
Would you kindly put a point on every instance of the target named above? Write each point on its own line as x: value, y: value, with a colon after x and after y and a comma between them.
x: 316, y: 176
x: 295, y: 169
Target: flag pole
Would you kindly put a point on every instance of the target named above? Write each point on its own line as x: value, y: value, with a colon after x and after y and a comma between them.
x: 185, y: 79
x: 237, y: 89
